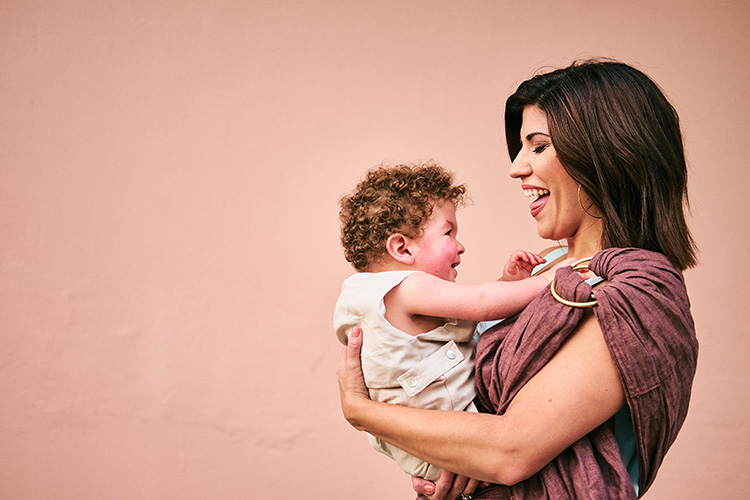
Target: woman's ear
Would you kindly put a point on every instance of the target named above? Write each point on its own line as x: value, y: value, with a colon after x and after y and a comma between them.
x: 397, y: 246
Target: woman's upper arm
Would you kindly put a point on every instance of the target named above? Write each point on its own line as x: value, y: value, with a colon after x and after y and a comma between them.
x: 575, y: 392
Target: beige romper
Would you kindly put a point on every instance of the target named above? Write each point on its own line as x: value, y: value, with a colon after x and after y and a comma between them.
x: 433, y: 370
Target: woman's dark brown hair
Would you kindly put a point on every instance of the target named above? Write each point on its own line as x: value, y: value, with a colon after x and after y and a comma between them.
x: 617, y: 135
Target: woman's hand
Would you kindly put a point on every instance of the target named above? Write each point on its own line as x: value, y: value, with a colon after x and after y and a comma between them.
x: 352, y: 388
x: 449, y: 486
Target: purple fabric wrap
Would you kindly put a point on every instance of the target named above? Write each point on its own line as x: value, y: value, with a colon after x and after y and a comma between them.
x: 644, y: 314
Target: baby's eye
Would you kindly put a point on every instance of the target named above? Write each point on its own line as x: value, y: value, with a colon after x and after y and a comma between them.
x: 540, y: 148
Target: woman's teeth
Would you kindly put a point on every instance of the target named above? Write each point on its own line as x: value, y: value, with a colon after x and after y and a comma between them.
x: 535, y: 193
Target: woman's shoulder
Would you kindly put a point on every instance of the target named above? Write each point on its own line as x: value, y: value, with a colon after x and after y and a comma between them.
x: 635, y: 263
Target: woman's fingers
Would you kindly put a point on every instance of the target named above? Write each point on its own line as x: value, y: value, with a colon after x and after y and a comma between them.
x: 471, y: 487
x: 443, y: 487
x: 453, y: 486
x: 438, y: 490
x: 349, y: 360
x: 458, y: 487
x: 352, y: 386
x: 355, y: 341
x: 448, y: 487
x: 422, y: 487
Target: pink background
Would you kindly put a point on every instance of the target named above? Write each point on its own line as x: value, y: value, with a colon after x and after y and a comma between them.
x: 169, y: 253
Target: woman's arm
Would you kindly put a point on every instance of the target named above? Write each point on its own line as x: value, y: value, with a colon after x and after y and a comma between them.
x: 427, y: 295
x: 578, y: 390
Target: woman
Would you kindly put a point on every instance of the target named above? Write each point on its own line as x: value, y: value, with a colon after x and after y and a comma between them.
x: 584, y: 392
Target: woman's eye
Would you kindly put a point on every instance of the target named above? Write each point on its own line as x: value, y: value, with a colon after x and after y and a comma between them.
x: 540, y: 148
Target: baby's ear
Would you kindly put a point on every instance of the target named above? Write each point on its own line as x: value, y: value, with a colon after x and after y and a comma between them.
x: 397, y: 246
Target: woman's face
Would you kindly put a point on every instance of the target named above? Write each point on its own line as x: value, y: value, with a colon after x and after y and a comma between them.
x: 553, y: 193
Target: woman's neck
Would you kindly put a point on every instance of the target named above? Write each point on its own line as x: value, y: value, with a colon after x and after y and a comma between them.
x: 586, y: 242
x: 579, y: 252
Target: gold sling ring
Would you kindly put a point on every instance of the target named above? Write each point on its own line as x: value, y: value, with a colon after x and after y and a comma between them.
x: 577, y: 266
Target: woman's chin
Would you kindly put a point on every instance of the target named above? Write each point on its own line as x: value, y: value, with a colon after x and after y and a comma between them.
x: 544, y: 232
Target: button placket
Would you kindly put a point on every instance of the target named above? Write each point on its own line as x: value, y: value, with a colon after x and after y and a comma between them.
x: 429, y: 369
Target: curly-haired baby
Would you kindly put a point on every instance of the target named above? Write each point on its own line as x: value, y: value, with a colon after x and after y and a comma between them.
x: 398, y: 229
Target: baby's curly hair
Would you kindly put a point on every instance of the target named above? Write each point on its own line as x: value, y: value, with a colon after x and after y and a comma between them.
x: 392, y: 199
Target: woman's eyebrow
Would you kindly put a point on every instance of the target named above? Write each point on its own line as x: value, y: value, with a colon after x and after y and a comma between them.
x: 534, y: 134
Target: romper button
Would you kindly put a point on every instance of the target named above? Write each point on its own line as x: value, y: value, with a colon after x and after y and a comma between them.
x: 413, y: 382
x: 450, y: 354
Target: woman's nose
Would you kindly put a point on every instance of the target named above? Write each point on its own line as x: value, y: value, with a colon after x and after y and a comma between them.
x: 520, y: 167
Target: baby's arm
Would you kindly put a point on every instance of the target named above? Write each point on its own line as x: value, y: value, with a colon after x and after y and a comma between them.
x: 427, y: 295
x: 520, y: 265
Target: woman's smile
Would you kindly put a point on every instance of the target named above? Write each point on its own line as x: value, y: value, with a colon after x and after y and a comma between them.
x: 540, y: 196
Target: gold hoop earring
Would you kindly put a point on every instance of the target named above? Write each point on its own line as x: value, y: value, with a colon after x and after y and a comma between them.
x: 582, y: 207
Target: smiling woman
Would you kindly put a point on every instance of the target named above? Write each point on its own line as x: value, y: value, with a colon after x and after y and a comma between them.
x: 574, y: 402
x: 619, y: 141
x: 555, y: 207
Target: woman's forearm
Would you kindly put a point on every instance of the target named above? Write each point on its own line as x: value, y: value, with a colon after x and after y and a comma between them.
x: 575, y: 392
x: 462, y: 442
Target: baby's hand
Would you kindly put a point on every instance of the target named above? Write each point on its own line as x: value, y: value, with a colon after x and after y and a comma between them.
x: 520, y: 265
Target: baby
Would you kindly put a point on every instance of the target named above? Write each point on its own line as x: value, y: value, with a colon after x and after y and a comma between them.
x: 399, y: 231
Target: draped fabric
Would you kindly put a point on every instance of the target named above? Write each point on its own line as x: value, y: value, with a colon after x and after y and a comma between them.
x: 644, y: 314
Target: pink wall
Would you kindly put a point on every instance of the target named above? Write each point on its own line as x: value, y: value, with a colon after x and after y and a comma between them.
x: 169, y: 256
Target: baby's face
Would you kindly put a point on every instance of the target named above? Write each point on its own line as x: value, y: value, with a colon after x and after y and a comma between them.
x: 437, y: 251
